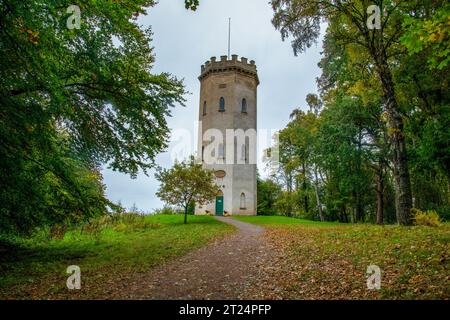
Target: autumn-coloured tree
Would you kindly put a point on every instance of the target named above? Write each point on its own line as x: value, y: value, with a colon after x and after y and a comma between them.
x: 185, y: 182
x: 301, y: 19
x: 384, y: 91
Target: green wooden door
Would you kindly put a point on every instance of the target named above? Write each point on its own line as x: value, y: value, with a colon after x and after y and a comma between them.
x: 219, y: 205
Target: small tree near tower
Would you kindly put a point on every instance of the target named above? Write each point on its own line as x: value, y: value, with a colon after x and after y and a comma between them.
x: 186, y: 182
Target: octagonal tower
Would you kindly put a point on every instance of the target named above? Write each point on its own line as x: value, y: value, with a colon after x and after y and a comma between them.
x: 228, y: 103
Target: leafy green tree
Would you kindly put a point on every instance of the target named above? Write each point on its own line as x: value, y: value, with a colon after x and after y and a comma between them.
x: 94, y: 82
x: 353, y: 151
x: 48, y: 185
x: 299, y: 137
x: 423, y: 84
x: 345, y: 153
x: 287, y: 203
x: 429, y: 33
x: 302, y: 19
x: 185, y: 182
x: 268, y: 193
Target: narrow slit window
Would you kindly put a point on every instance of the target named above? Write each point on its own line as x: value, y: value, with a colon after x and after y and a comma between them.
x: 222, y: 104
x: 244, y: 106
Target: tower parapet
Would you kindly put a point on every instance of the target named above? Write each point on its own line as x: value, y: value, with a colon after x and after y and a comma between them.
x: 224, y: 64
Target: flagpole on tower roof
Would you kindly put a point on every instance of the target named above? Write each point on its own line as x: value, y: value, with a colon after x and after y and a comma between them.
x: 229, y: 37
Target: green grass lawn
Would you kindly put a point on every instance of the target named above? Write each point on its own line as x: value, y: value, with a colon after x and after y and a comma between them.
x: 329, y: 261
x: 281, y: 220
x: 116, y: 249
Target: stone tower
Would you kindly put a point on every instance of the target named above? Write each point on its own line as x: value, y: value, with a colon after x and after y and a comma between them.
x: 227, y: 133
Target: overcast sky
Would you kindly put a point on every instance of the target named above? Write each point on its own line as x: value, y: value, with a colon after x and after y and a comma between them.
x: 184, y: 40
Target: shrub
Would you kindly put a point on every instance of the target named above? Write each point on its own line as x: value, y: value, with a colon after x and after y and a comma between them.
x: 426, y: 218
x: 94, y: 227
x: 124, y: 222
x: 166, y: 210
x: 58, y: 231
x: 287, y: 203
x: 120, y: 227
x: 132, y: 221
x: 444, y: 212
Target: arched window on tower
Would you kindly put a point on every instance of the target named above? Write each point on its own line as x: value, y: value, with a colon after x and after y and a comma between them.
x: 244, y: 106
x: 242, y: 205
x: 222, y: 104
x: 204, y: 108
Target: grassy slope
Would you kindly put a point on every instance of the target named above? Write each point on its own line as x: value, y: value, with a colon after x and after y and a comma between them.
x: 329, y: 261
x: 281, y: 220
x: 36, y: 266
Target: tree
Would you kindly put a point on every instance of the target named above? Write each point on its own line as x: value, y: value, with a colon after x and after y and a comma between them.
x: 268, y: 193
x: 286, y: 203
x: 301, y: 19
x: 344, y: 152
x: 299, y: 136
x: 348, y: 155
x: 430, y: 33
x: 186, y: 182
x: 85, y: 96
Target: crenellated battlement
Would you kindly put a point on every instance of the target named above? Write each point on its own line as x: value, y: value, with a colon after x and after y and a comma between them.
x: 224, y: 64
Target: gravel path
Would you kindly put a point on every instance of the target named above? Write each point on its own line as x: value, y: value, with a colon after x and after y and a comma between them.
x: 229, y: 268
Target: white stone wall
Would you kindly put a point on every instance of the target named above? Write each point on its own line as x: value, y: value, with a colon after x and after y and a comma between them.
x: 233, y: 80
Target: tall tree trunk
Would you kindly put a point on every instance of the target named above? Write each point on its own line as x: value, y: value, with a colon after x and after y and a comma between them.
x: 357, y: 192
x: 306, y: 204
x: 352, y: 216
x: 185, y: 214
x: 403, y: 197
x: 316, y: 189
x: 380, y: 194
x: 345, y: 213
x: 359, y: 212
x: 448, y: 189
x: 289, y: 182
